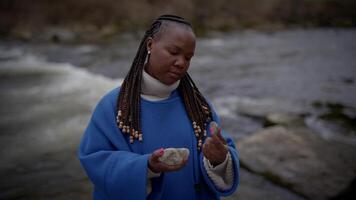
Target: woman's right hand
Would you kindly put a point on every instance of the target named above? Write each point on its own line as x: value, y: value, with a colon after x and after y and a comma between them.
x: 157, y: 166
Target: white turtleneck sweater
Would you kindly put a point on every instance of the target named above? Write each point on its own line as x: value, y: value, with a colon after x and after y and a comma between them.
x: 153, y: 90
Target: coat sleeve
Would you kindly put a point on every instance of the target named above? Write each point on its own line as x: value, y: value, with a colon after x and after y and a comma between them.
x: 235, y: 164
x: 115, y: 171
x: 222, y: 175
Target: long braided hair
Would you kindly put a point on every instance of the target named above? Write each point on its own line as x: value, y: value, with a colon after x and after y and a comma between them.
x: 128, y: 103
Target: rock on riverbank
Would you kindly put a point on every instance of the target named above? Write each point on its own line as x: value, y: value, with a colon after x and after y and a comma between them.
x: 300, y: 160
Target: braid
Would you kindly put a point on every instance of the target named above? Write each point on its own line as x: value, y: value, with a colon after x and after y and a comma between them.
x: 129, y: 100
x: 128, y: 104
x: 196, y: 106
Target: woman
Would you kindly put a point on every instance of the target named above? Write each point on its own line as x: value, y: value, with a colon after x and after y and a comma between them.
x: 157, y: 107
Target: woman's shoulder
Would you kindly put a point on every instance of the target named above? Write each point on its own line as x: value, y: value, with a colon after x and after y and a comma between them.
x: 112, y: 93
x: 110, y: 97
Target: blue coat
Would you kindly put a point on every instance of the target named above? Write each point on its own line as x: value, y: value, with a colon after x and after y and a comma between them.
x: 118, y: 169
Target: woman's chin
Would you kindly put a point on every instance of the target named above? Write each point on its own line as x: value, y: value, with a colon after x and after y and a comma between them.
x: 169, y: 80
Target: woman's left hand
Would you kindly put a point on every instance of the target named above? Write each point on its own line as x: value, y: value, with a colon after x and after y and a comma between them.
x: 215, y: 148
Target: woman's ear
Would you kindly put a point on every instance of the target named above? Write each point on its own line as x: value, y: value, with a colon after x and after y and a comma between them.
x: 149, y: 43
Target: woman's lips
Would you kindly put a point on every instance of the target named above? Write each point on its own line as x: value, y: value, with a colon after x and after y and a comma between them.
x: 174, y: 75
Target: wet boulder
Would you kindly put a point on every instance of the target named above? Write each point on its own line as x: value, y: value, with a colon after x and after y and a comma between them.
x: 300, y: 160
x: 256, y: 187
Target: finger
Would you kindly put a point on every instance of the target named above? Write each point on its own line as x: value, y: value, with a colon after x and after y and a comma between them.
x: 213, y: 146
x: 216, y: 140
x: 176, y: 167
x: 213, y: 130
x: 222, y: 139
x: 213, y: 127
x: 184, y: 162
x: 213, y: 143
x: 207, y: 140
x: 157, y: 154
x: 205, y: 149
x: 209, y: 150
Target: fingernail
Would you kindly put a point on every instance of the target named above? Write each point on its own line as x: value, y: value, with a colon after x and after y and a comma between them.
x: 161, y: 151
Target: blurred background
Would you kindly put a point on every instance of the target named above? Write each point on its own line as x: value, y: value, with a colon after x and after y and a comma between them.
x: 280, y: 73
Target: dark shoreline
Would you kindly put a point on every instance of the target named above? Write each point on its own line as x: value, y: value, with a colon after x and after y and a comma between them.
x: 101, y: 19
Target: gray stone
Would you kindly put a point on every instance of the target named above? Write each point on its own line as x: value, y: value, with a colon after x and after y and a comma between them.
x: 174, y: 156
x: 284, y: 119
x: 255, y: 187
x: 229, y: 106
x: 298, y: 159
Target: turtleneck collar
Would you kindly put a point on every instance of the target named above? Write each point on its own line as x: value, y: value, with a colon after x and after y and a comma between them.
x: 153, y: 90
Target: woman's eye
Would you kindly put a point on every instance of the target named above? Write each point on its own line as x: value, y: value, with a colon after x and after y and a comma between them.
x: 174, y: 53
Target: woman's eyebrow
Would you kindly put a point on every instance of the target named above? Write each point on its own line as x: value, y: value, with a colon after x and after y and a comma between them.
x: 180, y: 49
x: 174, y: 46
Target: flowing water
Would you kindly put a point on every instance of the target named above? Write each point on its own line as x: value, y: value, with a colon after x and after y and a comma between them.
x: 287, y: 71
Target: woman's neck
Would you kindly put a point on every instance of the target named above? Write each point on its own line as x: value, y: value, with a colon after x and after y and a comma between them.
x: 153, y: 90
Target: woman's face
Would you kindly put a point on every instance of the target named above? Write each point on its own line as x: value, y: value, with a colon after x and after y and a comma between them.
x: 171, y: 52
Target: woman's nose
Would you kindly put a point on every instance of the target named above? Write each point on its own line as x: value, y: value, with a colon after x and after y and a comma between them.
x: 181, y: 63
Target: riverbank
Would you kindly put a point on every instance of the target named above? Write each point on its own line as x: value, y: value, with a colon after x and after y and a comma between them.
x: 94, y: 20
